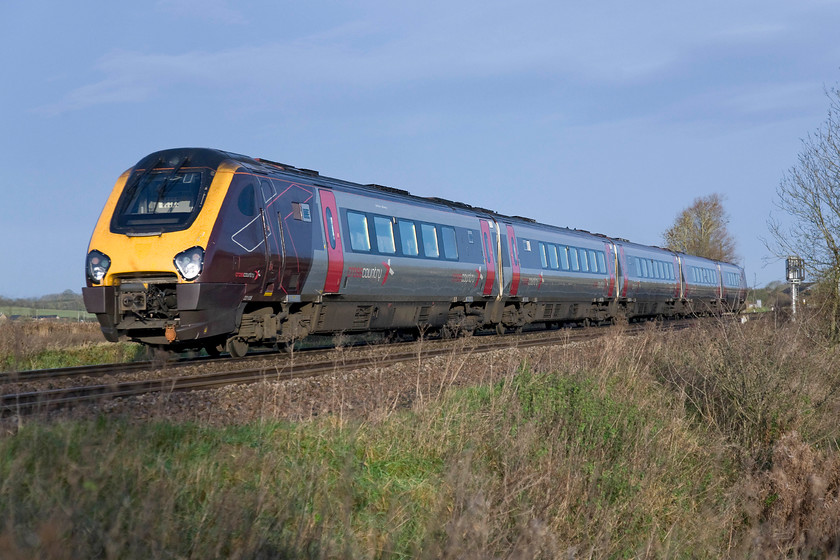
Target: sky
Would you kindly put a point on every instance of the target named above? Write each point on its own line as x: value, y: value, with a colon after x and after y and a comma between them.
x: 607, y: 116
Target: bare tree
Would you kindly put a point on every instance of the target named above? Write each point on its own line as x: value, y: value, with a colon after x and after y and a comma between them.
x: 809, y: 195
x: 701, y: 230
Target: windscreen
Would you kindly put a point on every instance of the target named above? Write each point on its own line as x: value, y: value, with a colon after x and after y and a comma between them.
x: 160, y: 200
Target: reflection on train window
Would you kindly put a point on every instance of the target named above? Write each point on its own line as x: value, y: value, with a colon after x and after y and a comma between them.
x: 552, y: 257
x: 384, y: 235
x: 573, y: 258
x: 330, y: 228
x: 408, y: 238
x: 602, y: 263
x: 358, y: 226
x: 430, y: 243
x: 593, y: 263
x: 564, y: 258
x: 543, y: 257
x: 245, y: 202
x: 450, y: 246
x: 584, y: 264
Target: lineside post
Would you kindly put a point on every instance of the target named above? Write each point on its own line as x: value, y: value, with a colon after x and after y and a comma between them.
x: 795, y: 273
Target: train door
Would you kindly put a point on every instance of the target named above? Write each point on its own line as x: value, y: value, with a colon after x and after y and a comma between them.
x: 332, y: 234
x: 678, y: 289
x: 273, y: 237
x: 251, y: 253
x: 624, y: 280
x: 612, y: 267
x: 487, y: 245
x: 514, y: 261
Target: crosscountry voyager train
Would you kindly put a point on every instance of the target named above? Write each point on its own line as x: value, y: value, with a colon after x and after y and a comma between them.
x: 201, y: 248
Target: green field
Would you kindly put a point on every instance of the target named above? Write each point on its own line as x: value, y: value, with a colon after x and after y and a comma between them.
x: 35, y: 313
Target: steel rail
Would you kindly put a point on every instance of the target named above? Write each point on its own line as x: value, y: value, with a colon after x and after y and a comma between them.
x: 41, y: 401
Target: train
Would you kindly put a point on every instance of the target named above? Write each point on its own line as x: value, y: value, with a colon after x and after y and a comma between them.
x: 200, y: 248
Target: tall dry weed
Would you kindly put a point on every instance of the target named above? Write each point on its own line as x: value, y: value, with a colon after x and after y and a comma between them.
x: 752, y: 383
x: 794, y: 507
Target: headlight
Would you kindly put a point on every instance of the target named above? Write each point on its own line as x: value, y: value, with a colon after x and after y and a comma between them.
x: 97, y: 266
x: 190, y: 262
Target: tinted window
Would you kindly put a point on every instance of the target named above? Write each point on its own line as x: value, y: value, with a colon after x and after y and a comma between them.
x: 573, y: 257
x: 543, y: 256
x: 564, y: 258
x: 384, y: 235
x: 246, y: 201
x: 408, y: 238
x: 160, y: 201
x: 358, y: 226
x: 602, y: 263
x: 593, y: 266
x: 330, y: 228
x: 450, y: 247
x: 584, y: 264
x: 430, y: 242
x: 552, y: 257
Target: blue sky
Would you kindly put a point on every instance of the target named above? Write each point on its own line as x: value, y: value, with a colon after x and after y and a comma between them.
x: 606, y: 116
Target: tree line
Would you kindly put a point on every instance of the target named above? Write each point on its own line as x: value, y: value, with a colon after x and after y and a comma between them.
x: 68, y: 300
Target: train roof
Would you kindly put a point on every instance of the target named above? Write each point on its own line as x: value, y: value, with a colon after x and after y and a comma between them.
x: 212, y: 157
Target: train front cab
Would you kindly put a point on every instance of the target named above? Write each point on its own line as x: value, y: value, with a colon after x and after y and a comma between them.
x: 148, y: 253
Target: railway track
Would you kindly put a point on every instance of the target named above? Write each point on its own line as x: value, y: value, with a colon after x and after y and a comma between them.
x: 30, y: 402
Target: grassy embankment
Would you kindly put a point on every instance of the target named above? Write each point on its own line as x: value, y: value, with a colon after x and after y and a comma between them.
x: 50, y: 344
x: 719, y: 443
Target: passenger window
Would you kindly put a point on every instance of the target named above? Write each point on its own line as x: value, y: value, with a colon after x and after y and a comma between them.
x: 602, y: 263
x: 552, y: 257
x: 358, y: 226
x: 584, y: 261
x: 573, y: 255
x: 430, y: 242
x: 564, y: 258
x: 408, y: 238
x: 450, y: 246
x: 593, y: 263
x: 543, y: 256
x: 644, y: 273
x: 384, y: 235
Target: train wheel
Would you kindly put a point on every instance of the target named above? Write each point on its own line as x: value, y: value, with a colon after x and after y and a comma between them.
x: 237, y: 347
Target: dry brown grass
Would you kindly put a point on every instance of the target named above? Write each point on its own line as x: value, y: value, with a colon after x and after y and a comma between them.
x: 29, y: 337
x: 36, y: 344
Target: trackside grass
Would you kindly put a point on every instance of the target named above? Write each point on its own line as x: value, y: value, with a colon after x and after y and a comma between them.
x: 26, y: 345
x: 715, y: 443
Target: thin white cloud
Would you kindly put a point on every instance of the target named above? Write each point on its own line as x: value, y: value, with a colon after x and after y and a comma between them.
x: 394, y: 46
